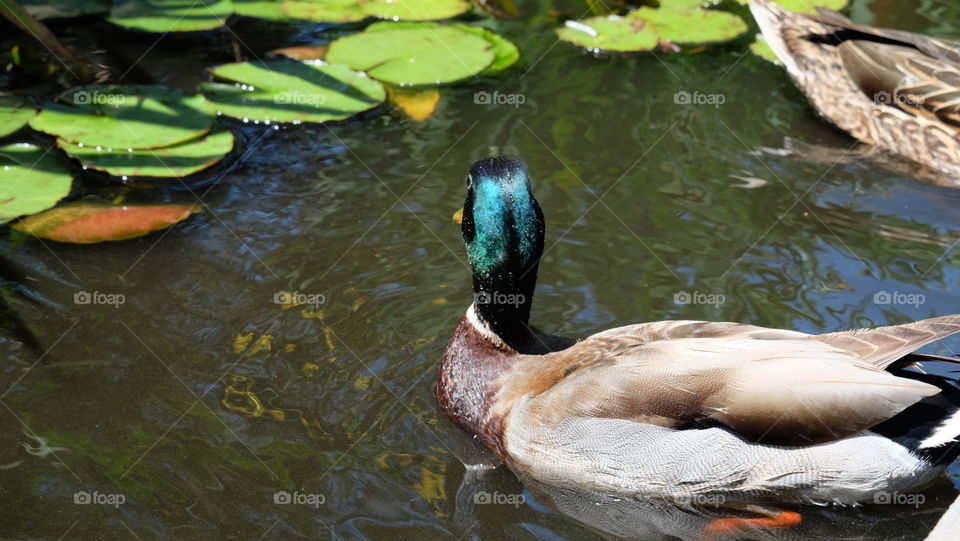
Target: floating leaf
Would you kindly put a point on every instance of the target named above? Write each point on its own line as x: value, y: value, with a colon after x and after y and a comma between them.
x: 414, y: 53
x: 808, y: 6
x: 90, y: 223
x: 291, y: 91
x: 691, y: 25
x: 645, y: 28
x: 458, y: 216
x: 123, y: 117
x: 349, y: 11
x: 686, y: 3
x: 505, y: 52
x: 178, y: 160
x: 416, y: 10
x: 170, y: 15
x: 14, y: 114
x: 611, y: 33
x: 418, y: 103
x: 30, y: 181
x: 61, y: 9
x: 761, y: 48
x: 310, y: 52
x: 268, y: 10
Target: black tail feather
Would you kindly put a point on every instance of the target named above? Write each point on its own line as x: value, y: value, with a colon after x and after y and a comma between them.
x: 914, y: 426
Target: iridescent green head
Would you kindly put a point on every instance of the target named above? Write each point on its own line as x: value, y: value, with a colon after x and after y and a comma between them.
x: 503, y: 231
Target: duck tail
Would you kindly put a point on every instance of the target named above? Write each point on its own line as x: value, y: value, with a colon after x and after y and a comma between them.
x: 931, y: 427
x: 770, y: 18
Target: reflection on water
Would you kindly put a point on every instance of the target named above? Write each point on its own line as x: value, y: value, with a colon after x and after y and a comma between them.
x: 216, y: 411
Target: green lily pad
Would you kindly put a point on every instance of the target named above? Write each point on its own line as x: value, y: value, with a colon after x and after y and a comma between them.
x: 268, y: 10
x: 126, y: 117
x: 290, y: 91
x: 505, y: 52
x: 178, y: 160
x: 808, y: 6
x: 349, y: 11
x: 90, y: 223
x: 686, y: 3
x: 62, y: 9
x: 170, y: 15
x: 645, y: 28
x: 14, y: 114
x: 689, y: 25
x: 30, y: 181
x: 761, y: 48
x: 414, y: 53
x: 417, y: 10
x: 611, y: 33
x: 327, y: 11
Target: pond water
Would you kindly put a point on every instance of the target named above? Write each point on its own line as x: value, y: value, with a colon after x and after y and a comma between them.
x: 194, y: 405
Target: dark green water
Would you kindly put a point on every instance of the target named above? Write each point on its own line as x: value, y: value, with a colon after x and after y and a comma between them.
x: 161, y: 401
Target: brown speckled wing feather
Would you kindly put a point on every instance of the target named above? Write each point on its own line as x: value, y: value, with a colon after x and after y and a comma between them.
x: 889, y: 88
x: 770, y: 386
x: 884, y: 345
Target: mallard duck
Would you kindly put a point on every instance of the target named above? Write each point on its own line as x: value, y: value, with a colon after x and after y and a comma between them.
x: 893, y: 89
x: 683, y: 409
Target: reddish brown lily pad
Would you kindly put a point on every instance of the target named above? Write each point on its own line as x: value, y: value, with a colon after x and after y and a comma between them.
x: 91, y: 223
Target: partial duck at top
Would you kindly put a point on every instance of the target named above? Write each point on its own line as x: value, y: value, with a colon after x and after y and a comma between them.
x: 674, y: 409
x: 894, y: 89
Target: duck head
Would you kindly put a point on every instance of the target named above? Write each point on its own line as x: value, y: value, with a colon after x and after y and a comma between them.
x: 503, y: 231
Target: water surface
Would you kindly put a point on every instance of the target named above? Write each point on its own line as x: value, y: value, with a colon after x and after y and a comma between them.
x: 199, y: 398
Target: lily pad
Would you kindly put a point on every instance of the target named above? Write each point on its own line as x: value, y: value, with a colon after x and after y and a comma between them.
x: 611, y: 33
x: 808, y: 6
x: 178, y: 160
x: 126, y: 117
x: 30, y: 181
x: 62, y: 9
x: 170, y: 15
x: 686, y: 3
x: 687, y: 25
x: 349, y: 11
x: 645, y: 28
x: 417, y: 103
x: 14, y: 114
x: 268, y: 10
x: 505, y: 52
x: 414, y: 53
x: 417, y: 10
x: 290, y: 91
x: 91, y: 223
x: 305, y: 52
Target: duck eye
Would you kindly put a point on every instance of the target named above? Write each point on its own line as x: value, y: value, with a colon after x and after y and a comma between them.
x: 469, y: 181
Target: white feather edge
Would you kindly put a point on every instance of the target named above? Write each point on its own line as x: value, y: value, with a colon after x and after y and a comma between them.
x: 945, y: 433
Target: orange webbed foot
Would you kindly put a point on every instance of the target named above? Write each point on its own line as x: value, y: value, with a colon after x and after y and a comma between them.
x: 774, y: 519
